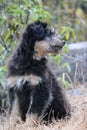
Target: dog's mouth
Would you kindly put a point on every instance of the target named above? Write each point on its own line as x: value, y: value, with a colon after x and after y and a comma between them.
x: 55, y: 44
x: 54, y: 50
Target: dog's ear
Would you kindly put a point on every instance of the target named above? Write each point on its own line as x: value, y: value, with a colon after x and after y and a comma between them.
x: 38, y: 31
x: 44, y: 24
x: 28, y: 32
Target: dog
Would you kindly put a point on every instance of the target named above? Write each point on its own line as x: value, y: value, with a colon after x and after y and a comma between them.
x: 33, y: 88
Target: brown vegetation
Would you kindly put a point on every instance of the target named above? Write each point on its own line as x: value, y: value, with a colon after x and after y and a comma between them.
x: 78, y: 120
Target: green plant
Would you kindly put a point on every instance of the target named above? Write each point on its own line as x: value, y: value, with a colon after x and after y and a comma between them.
x: 14, y: 16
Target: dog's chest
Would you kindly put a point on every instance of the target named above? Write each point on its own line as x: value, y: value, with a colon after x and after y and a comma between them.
x: 31, y: 80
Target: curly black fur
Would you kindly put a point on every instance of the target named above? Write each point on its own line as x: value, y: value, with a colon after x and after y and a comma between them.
x: 45, y: 98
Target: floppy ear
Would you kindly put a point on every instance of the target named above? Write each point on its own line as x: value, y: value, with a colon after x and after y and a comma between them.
x: 44, y: 25
x: 41, y: 23
x: 27, y: 33
x: 38, y: 31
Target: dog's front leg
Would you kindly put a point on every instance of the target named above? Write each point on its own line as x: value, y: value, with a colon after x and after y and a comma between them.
x: 40, y: 100
x: 14, y: 111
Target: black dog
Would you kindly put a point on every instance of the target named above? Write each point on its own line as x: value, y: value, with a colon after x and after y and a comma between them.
x: 33, y: 89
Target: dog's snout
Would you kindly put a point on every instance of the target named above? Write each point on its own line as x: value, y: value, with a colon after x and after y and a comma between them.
x: 59, y: 43
x: 56, y: 41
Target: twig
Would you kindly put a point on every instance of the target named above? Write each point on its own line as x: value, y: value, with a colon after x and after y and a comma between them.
x: 74, y: 13
x: 76, y: 106
x: 71, y: 57
x: 3, y: 43
x: 66, y: 74
x: 3, y: 91
x: 27, y: 17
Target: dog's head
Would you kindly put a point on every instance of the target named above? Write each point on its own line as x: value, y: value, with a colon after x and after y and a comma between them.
x: 41, y: 40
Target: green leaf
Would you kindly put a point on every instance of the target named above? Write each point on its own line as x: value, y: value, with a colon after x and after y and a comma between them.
x: 3, y: 71
x: 66, y: 49
x: 58, y: 58
x: 1, y: 48
x: 67, y: 36
x: 65, y: 65
x: 74, y: 35
x: 7, y: 36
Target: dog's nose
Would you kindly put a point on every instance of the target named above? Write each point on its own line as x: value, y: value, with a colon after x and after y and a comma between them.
x: 63, y: 43
x: 60, y: 43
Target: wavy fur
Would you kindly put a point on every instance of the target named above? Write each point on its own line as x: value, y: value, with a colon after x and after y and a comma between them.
x: 31, y: 81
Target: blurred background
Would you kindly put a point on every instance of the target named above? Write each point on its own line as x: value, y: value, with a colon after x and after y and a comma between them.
x: 69, y: 17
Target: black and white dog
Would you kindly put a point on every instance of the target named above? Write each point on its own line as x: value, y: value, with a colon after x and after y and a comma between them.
x: 33, y: 89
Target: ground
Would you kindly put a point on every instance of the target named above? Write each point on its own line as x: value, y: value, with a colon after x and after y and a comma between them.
x: 78, y: 121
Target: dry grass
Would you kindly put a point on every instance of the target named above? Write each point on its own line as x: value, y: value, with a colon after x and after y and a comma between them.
x: 78, y: 120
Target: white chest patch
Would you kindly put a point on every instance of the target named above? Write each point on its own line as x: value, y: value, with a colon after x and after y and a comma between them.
x: 19, y: 80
